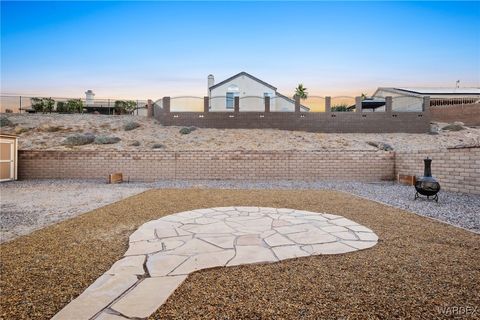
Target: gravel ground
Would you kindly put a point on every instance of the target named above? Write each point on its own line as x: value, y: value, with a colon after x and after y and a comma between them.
x: 47, y: 132
x: 29, y: 205
x: 420, y: 269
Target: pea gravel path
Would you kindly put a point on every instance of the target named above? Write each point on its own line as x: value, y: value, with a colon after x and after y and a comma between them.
x: 420, y: 268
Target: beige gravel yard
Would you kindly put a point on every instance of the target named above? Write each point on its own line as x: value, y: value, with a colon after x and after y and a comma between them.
x: 418, y: 269
x: 47, y: 132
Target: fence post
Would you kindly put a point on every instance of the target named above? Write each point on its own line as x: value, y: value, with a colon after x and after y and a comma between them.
x: 426, y: 104
x: 267, y: 103
x: 166, y: 104
x: 328, y: 104
x: 150, y: 108
x: 297, y: 104
x: 237, y: 105
x: 358, y: 104
x: 206, y: 102
x: 388, y: 104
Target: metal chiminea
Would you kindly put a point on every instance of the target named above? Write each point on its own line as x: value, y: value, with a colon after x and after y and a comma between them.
x: 427, y: 185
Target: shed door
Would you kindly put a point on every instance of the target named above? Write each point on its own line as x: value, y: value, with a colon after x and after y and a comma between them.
x: 7, y: 156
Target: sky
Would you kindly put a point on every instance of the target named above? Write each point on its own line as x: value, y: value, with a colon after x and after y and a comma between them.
x: 142, y: 50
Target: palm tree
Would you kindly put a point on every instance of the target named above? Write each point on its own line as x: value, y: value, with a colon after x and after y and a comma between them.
x: 301, y: 92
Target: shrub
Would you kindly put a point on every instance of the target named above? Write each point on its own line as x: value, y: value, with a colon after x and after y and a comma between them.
x: 78, y: 139
x: 157, y: 146
x: 125, y: 106
x: 48, y: 104
x: 106, y: 140
x: 341, y: 108
x: 185, y: 130
x: 8, y: 110
x: 75, y: 105
x: 62, y: 107
x: 5, y: 122
x: 42, y: 104
x: 131, y: 125
x: 37, y: 104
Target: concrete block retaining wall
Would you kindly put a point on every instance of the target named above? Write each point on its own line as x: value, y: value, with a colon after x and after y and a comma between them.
x: 251, y: 165
x: 456, y: 169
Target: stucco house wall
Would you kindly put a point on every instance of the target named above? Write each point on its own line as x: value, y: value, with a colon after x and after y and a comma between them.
x: 249, y: 91
x: 400, y: 102
x: 251, y: 94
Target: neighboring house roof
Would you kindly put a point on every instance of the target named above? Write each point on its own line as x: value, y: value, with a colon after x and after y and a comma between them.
x: 421, y: 91
x: 243, y: 73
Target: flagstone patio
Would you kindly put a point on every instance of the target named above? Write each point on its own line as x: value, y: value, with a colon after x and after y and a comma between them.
x: 163, y: 252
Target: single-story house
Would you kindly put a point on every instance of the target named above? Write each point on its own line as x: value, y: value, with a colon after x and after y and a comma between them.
x: 251, y: 92
x: 411, y: 99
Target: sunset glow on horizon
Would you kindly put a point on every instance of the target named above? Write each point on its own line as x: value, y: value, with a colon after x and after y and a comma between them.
x: 147, y: 50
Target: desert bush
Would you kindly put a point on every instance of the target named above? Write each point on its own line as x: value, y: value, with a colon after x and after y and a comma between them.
x: 8, y: 110
x: 62, y: 107
x: 5, y: 122
x: 106, y: 140
x: 37, y: 104
x: 185, y: 130
x: 48, y: 104
x: 157, y: 146
x: 131, y: 125
x: 42, y: 104
x: 75, y: 105
x: 20, y: 129
x: 341, y: 108
x: 125, y: 106
x: 78, y: 139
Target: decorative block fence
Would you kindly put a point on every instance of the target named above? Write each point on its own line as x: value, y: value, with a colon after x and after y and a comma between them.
x: 466, y: 113
x: 456, y: 169
x: 341, y: 122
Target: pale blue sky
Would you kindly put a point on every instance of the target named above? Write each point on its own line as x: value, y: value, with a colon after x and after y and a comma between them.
x: 151, y: 49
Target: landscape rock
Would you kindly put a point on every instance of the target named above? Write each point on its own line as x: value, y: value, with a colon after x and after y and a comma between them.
x: 78, y: 139
x: 5, y: 122
x: 131, y: 125
x: 381, y: 145
x: 135, y: 143
x: 106, y: 140
x: 454, y: 127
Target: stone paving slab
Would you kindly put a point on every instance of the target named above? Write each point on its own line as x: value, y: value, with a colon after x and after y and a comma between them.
x: 163, y: 252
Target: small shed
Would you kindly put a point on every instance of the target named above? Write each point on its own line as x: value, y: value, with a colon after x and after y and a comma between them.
x: 8, y: 157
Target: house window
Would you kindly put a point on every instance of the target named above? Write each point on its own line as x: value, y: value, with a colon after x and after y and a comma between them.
x: 230, y: 100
